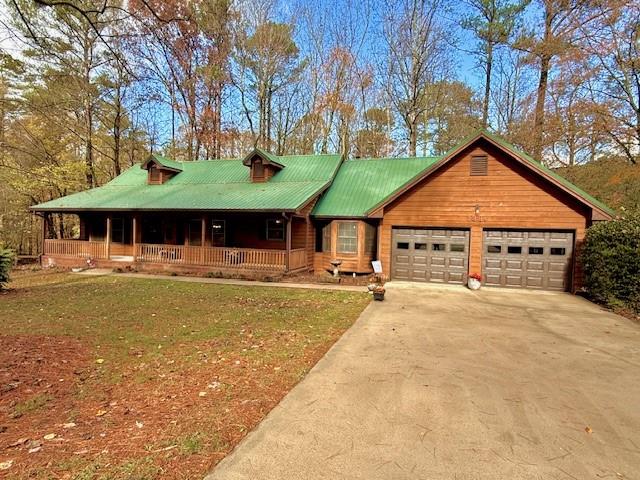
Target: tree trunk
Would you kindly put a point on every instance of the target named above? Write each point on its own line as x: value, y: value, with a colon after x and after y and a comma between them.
x: 487, y: 86
x: 538, y: 128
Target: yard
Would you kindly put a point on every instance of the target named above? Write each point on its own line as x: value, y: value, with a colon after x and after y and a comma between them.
x: 113, y: 377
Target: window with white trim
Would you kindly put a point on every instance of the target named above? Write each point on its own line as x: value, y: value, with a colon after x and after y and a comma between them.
x: 347, y: 237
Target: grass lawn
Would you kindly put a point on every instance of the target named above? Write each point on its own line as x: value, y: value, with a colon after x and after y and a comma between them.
x: 111, y: 377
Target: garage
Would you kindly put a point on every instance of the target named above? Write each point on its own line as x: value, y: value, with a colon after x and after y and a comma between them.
x: 430, y: 254
x: 529, y: 259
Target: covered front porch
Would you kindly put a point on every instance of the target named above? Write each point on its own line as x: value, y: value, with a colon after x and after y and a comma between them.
x: 214, y: 241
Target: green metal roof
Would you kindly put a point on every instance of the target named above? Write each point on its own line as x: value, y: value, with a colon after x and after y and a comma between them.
x: 209, y: 185
x: 167, y: 162
x: 361, y: 184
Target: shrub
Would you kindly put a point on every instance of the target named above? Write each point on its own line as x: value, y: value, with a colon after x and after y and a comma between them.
x: 6, y: 263
x: 611, y: 262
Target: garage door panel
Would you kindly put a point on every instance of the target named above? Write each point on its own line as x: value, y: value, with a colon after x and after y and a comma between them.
x: 428, y: 254
x: 457, y: 262
x: 533, y: 281
x: 438, y: 261
x: 535, y: 266
x: 532, y: 259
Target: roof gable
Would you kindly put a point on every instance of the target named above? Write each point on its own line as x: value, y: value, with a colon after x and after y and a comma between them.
x: 515, y: 154
x: 162, y: 163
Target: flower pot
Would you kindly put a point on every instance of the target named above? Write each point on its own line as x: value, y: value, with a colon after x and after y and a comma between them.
x: 473, y: 284
x: 378, y: 296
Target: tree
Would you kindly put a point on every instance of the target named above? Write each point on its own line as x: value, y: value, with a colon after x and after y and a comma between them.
x: 374, y: 139
x: 418, y: 56
x: 268, y: 60
x: 492, y: 22
x: 613, y: 44
x: 559, y: 32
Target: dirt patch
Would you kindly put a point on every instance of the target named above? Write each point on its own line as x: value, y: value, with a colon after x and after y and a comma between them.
x: 167, y: 418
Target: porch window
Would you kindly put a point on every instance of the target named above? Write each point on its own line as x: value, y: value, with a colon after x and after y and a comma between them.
x: 195, y: 232
x: 348, y: 237
x: 275, y: 229
x: 218, y: 232
x: 326, y: 238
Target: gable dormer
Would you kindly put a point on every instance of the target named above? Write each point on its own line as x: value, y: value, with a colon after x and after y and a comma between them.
x: 262, y: 165
x: 160, y: 169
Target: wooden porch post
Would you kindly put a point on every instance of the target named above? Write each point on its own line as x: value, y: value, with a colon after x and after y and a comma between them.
x: 203, y: 234
x: 108, y: 237
x: 134, y: 236
x: 44, y: 233
x: 288, y: 257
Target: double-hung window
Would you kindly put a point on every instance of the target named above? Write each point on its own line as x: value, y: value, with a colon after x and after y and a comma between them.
x: 347, y: 237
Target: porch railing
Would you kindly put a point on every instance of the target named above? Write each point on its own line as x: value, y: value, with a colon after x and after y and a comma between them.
x: 227, y: 257
x: 75, y: 248
x: 298, y: 259
x: 248, y: 258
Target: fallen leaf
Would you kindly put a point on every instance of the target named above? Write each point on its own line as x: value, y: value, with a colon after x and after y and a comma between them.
x: 68, y: 425
x: 6, y: 465
x: 19, y: 442
x: 35, y: 449
x: 588, y: 430
x: 100, y: 360
x: 139, y: 424
x: 49, y: 436
x: 202, y: 394
x: 101, y: 413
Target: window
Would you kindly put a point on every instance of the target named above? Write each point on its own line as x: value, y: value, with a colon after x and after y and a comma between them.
x: 558, y: 251
x: 420, y: 246
x: 275, y: 229
x: 348, y: 237
x: 369, y: 239
x: 402, y: 245
x: 326, y: 238
x: 514, y: 250
x: 456, y: 247
x: 494, y: 249
x: 438, y: 247
x: 479, y: 165
x: 536, y: 250
x: 218, y: 233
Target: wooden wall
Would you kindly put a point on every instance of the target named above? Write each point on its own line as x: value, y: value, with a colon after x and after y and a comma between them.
x: 510, y: 196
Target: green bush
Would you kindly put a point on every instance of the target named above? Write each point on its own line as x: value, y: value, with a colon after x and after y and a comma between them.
x: 6, y: 263
x: 611, y: 262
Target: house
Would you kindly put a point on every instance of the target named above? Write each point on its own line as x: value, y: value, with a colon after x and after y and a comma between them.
x: 483, y: 207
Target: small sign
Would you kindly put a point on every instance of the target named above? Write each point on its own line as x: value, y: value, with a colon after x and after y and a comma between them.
x: 377, y: 266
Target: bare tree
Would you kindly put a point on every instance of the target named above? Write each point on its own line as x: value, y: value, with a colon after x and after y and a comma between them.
x: 418, y: 57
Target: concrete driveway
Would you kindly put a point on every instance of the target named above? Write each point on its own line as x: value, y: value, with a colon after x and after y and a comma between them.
x: 439, y: 382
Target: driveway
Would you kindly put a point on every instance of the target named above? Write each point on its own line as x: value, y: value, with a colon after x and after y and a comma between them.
x: 439, y: 382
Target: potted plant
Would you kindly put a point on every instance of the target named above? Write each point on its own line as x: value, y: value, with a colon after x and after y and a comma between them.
x: 378, y: 293
x: 474, y: 281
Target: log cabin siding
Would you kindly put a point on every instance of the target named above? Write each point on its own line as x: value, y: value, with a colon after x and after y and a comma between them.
x: 509, y: 196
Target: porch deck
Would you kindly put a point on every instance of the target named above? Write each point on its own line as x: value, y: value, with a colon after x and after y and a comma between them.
x: 249, y: 259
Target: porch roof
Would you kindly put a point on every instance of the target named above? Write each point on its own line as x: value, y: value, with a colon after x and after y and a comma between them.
x: 208, y: 185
